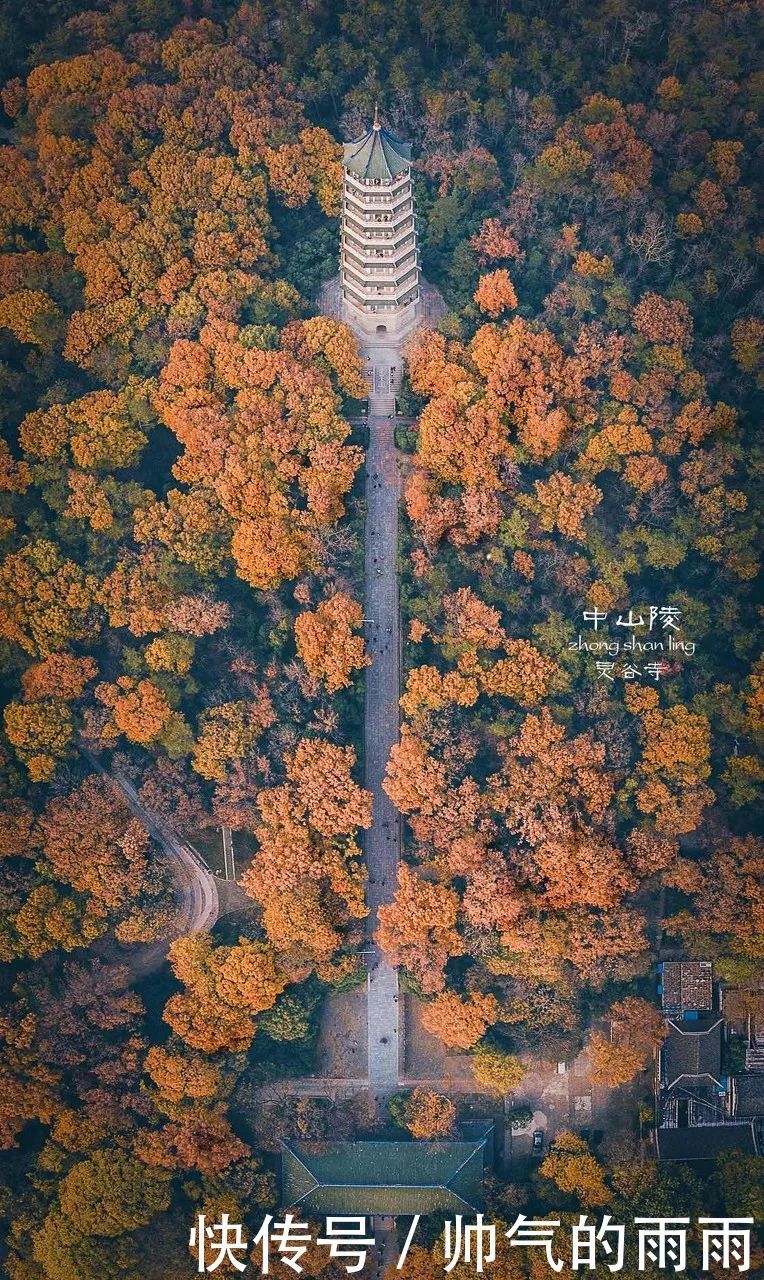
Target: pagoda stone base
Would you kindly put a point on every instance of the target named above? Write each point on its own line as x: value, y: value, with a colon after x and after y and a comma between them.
x: 382, y: 329
x: 382, y: 353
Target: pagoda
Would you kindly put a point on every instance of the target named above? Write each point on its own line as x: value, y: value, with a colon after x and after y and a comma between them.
x: 379, y: 257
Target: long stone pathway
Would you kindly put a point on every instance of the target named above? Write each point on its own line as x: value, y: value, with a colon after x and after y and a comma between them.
x: 382, y: 843
x: 382, y: 361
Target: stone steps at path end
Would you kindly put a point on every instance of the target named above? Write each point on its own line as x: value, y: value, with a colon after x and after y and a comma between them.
x: 381, y: 405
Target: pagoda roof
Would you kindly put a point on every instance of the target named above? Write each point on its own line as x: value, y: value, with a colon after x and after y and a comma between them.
x: 377, y: 155
x: 387, y: 1178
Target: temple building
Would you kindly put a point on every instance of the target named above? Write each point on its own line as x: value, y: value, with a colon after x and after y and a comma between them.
x: 702, y: 1111
x: 386, y: 1179
x: 379, y: 257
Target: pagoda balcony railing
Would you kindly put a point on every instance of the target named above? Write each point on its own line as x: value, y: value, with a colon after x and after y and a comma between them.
x: 390, y: 213
x: 380, y: 308
x: 365, y: 246
x: 393, y: 253
x: 373, y: 272
x: 365, y: 219
x: 383, y: 255
x: 391, y: 202
x: 368, y: 286
x: 380, y: 219
x: 370, y: 292
x: 385, y: 309
x: 382, y: 230
x: 386, y: 293
x: 370, y: 187
x: 376, y: 269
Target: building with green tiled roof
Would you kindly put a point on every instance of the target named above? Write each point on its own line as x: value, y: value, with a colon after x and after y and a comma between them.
x: 377, y: 155
x: 386, y: 1179
x: 379, y: 256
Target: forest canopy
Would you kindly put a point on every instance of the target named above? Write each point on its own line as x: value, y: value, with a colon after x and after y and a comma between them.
x: 181, y: 576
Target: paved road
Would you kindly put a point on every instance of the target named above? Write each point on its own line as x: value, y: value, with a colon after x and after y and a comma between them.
x: 196, y: 884
x: 229, y: 860
x: 382, y: 842
x: 341, y: 1086
x: 311, y: 1087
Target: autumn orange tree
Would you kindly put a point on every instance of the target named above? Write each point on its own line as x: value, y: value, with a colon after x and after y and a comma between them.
x: 174, y: 470
x: 637, y: 1028
x: 425, y: 1113
x: 225, y: 989
x: 495, y: 293
x: 307, y: 872
x: 264, y: 454
x: 418, y: 930
x: 460, y: 1022
x: 572, y: 1167
x: 565, y: 458
x: 30, y: 1088
x: 91, y: 842
x: 326, y: 643
x: 495, y: 1070
x: 725, y: 902
x: 675, y: 765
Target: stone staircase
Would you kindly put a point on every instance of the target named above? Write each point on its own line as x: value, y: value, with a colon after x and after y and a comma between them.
x: 381, y: 405
x: 383, y: 383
